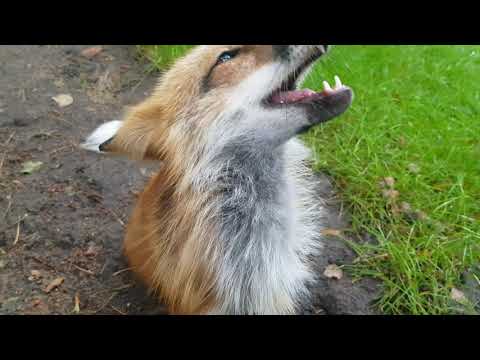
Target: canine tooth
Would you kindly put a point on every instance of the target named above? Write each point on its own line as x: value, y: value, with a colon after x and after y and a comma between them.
x: 338, y: 83
x: 326, y: 86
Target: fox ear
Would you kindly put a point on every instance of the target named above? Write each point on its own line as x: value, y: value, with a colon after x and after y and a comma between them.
x: 102, y: 137
x: 132, y: 137
x: 120, y: 138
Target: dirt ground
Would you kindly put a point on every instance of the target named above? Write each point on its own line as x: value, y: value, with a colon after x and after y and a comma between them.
x: 62, y: 224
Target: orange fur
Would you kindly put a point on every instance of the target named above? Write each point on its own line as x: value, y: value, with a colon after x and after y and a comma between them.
x: 158, y: 248
x: 160, y: 241
x: 169, y: 242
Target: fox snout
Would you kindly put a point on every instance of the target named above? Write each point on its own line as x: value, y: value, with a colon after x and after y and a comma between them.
x: 285, y: 52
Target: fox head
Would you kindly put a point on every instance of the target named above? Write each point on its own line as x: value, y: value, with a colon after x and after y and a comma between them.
x: 219, y: 92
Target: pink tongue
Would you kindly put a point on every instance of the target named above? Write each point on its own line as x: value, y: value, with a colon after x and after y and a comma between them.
x: 289, y: 97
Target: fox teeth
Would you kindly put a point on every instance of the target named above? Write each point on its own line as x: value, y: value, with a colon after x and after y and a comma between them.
x: 326, y: 86
x: 338, y: 83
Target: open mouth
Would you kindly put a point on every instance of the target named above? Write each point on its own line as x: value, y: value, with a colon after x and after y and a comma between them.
x: 288, y: 94
x: 303, y: 96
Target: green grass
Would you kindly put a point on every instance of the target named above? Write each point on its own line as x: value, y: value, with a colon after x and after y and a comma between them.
x: 161, y: 56
x: 415, y: 107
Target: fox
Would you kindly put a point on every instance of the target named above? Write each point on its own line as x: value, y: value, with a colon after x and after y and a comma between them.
x: 229, y: 222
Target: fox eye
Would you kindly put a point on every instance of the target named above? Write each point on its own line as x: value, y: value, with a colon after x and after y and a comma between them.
x: 224, y: 57
x: 227, y: 56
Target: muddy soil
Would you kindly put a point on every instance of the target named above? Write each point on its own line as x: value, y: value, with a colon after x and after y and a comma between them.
x: 63, y: 223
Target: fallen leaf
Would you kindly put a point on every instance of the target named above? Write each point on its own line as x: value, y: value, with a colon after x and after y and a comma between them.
x: 332, y: 271
x: 91, y: 52
x: 54, y: 284
x: 413, y: 168
x: 331, y: 232
x: 36, y: 302
x: 36, y: 274
x: 63, y: 100
x: 458, y: 296
x: 76, y: 308
x: 389, y: 181
x: 390, y: 194
x: 395, y: 209
x: 31, y: 166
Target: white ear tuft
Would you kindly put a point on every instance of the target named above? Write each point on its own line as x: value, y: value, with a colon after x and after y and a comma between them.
x: 101, y: 135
